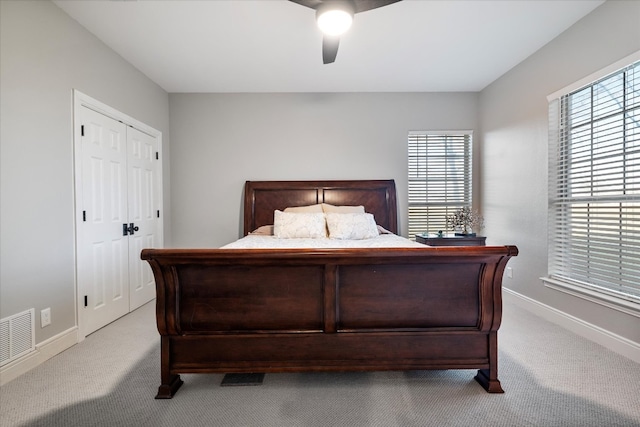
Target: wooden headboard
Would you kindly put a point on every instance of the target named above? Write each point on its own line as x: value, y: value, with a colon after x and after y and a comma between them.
x: 262, y: 198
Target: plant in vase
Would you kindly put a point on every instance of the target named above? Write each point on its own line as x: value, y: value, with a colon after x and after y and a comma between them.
x: 464, y: 220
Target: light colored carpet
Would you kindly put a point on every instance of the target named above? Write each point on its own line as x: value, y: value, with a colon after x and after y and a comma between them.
x: 551, y: 377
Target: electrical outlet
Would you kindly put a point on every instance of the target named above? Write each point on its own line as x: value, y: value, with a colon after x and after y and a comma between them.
x: 510, y: 272
x: 45, y: 317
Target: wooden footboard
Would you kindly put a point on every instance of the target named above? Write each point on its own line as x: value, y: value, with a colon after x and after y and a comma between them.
x: 221, y: 311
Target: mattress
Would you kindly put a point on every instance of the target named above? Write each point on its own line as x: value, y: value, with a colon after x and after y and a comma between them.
x: 253, y: 241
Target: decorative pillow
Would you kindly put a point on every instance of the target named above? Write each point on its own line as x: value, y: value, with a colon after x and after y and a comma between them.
x: 302, y: 225
x: 351, y: 226
x: 327, y: 208
x: 265, y: 230
x: 311, y: 208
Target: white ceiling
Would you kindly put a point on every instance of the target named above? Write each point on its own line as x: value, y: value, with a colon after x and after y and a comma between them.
x: 275, y: 46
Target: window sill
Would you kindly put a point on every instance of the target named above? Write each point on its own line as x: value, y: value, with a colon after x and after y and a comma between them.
x: 609, y: 301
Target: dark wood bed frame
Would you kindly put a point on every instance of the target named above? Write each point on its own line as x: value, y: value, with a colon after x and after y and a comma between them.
x: 280, y: 310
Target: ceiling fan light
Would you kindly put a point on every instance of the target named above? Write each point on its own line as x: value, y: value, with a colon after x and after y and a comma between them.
x: 334, y: 22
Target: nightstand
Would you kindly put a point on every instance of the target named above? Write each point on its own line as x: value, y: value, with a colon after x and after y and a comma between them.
x: 451, y: 240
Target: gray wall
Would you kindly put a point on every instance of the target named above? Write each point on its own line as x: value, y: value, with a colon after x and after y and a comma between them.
x: 44, y: 54
x: 221, y: 140
x: 514, y: 126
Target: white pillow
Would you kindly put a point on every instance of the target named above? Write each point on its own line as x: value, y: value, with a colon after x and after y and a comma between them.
x: 299, y: 225
x: 306, y: 209
x: 351, y: 226
x: 327, y: 208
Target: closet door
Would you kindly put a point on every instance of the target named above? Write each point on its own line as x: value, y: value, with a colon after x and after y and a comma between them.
x: 143, y: 186
x: 103, y: 250
x: 119, y: 200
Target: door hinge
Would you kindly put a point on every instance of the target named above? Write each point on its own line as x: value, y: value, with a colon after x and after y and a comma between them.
x: 84, y: 216
x: 86, y: 300
x: 158, y: 213
x: 157, y: 156
x: 82, y: 130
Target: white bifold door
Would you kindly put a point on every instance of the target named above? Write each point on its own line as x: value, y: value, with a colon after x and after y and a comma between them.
x: 119, y: 172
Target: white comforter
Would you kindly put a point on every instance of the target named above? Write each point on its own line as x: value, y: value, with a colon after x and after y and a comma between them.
x: 254, y: 241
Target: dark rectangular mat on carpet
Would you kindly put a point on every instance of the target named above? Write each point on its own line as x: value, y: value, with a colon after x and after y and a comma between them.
x: 242, y: 379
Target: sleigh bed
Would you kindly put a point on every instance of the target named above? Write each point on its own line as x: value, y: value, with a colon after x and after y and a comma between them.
x: 327, y: 309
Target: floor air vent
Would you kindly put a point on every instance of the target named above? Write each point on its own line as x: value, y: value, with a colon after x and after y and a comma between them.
x: 17, y: 336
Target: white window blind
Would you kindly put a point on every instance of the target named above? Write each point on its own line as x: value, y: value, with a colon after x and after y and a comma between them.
x: 594, y: 185
x: 439, y: 178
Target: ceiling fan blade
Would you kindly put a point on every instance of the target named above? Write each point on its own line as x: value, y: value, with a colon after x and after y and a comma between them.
x: 313, y: 4
x: 329, y: 49
x: 364, y: 5
x: 358, y: 5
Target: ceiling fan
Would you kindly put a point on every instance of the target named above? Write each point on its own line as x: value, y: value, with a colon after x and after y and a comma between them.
x: 334, y: 18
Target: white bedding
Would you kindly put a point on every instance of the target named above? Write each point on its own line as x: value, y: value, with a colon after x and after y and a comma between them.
x: 254, y: 241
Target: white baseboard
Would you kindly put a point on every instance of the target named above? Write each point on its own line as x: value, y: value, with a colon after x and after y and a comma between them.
x: 621, y: 345
x: 44, y: 351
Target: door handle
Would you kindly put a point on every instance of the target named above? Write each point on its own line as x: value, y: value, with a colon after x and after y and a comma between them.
x: 130, y: 229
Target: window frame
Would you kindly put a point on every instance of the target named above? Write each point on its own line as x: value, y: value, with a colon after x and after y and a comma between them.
x: 453, y: 188
x: 559, y: 176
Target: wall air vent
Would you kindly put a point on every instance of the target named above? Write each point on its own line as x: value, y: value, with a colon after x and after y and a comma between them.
x: 17, y: 336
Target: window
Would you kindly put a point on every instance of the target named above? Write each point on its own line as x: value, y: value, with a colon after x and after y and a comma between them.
x: 439, y: 178
x: 594, y: 186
